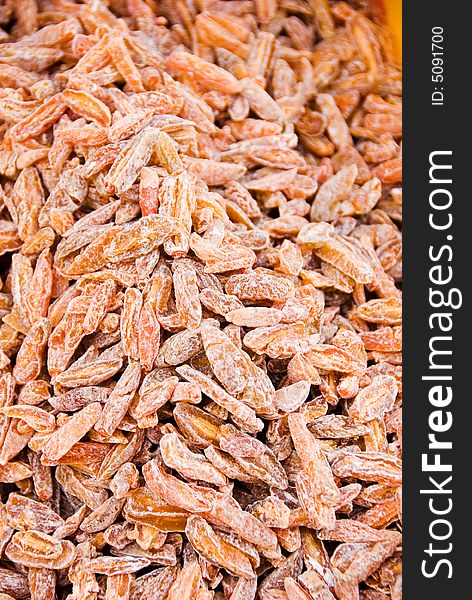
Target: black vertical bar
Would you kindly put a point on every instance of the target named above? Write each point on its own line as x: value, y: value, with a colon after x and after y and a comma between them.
x: 428, y: 128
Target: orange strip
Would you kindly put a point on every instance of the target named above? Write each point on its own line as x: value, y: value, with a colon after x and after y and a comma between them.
x: 393, y: 9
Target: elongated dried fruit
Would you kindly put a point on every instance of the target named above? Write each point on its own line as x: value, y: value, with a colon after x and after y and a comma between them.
x: 193, y: 466
x: 374, y: 400
x: 71, y: 432
x: 215, y: 549
x: 35, y: 549
x: 23, y: 514
x: 172, y: 490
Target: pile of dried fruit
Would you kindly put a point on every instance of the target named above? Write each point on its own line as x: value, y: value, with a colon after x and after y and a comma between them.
x: 200, y: 345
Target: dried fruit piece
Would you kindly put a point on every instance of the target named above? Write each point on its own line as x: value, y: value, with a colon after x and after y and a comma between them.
x: 172, y: 490
x: 189, y: 464
x: 71, y: 432
x: 374, y: 400
x: 24, y: 514
x: 35, y: 549
x: 214, y: 549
